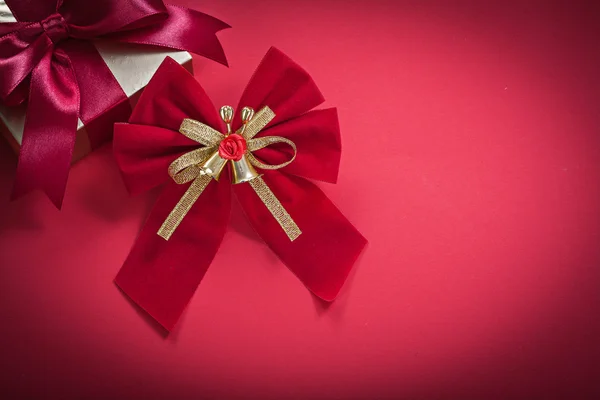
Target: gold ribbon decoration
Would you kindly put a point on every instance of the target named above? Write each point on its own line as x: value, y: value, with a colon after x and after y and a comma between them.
x: 201, y: 165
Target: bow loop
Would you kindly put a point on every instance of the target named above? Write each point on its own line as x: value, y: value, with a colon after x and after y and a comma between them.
x: 33, y: 10
x: 265, y: 141
x: 21, y: 50
x: 110, y: 17
x: 283, y: 85
x: 316, y: 134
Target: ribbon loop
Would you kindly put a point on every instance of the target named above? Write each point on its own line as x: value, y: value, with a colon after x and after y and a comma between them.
x: 261, y: 143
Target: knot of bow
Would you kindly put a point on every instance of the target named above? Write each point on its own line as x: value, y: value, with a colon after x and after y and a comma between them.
x: 55, y: 27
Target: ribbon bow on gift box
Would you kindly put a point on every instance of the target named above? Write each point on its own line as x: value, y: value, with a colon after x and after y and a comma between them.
x: 176, y: 132
x: 47, y: 58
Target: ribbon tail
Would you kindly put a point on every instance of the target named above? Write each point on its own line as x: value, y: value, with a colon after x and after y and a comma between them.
x: 161, y: 276
x: 274, y: 206
x: 183, y: 206
x: 50, y: 129
x: 184, y: 29
x: 324, y: 254
x: 103, y: 101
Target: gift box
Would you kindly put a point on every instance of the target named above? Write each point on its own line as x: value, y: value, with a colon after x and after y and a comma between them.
x: 69, y: 71
x: 132, y: 66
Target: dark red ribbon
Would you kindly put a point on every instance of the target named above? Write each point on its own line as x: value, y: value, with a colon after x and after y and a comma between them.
x: 161, y: 276
x: 47, y: 59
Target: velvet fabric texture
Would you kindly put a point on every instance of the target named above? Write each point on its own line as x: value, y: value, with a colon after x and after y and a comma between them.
x: 162, y: 276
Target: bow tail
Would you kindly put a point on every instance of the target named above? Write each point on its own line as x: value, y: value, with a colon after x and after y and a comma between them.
x: 50, y: 129
x: 277, y: 210
x: 184, y: 29
x: 161, y: 276
x: 103, y: 101
x: 323, y: 255
x: 183, y: 206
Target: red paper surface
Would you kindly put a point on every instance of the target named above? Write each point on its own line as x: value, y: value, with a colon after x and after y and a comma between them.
x: 471, y: 161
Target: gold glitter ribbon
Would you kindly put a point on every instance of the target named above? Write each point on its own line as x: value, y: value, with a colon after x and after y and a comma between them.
x: 189, y: 168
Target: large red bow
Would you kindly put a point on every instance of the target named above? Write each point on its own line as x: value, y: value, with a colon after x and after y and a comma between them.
x: 161, y: 276
x: 47, y: 58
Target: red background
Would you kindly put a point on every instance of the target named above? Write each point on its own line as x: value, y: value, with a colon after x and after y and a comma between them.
x: 471, y: 163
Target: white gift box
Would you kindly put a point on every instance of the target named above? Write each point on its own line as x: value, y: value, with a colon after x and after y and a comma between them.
x: 132, y: 65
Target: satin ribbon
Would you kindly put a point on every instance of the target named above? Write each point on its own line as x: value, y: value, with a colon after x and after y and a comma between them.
x: 47, y: 58
x: 156, y: 147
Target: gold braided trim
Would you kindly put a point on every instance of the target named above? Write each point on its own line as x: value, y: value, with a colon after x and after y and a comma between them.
x: 182, y: 169
x: 189, y: 168
x: 200, y: 132
x: 187, y: 175
x: 274, y: 206
x: 183, y: 206
x: 261, y: 143
x: 257, y: 123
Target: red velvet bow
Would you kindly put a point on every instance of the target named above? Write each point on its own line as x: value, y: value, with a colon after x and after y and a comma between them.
x: 48, y: 58
x: 161, y: 276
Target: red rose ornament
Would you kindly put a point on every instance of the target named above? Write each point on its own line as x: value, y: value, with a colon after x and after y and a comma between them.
x: 233, y: 147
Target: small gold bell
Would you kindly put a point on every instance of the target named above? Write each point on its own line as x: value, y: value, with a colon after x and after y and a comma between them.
x: 214, y: 165
x: 243, y: 171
